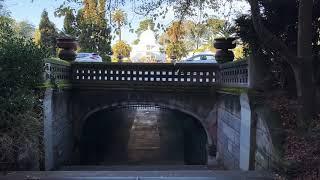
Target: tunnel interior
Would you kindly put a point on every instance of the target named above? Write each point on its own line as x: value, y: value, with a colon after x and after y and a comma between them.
x: 135, y: 135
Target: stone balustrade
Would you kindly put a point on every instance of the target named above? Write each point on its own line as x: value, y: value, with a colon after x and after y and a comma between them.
x: 57, y: 71
x: 233, y: 74
x: 155, y: 75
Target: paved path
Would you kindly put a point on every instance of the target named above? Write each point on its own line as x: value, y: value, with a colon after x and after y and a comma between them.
x: 138, y: 175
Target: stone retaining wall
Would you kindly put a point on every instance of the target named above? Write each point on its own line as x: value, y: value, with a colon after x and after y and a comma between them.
x: 58, y: 140
x: 228, y: 142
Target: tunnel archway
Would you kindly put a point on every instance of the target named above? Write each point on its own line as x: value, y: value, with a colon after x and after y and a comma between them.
x: 108, y: 133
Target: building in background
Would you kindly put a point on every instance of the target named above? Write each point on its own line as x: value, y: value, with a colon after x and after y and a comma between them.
x: 148, y: 50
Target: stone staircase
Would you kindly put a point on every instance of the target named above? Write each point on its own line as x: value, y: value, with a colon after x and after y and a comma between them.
x: 144, y: 141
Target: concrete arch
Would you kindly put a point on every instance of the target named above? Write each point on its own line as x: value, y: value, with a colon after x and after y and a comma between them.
x: 161, y: 105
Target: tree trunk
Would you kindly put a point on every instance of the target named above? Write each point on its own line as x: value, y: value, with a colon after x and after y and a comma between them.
x: 302, y: 65
x: 305, y: 28
x: 119, y: 29
x: 305, y: 93
x: 304, y: 72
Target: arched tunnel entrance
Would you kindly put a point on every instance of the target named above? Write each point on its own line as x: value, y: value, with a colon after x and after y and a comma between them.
x: 142, y: 135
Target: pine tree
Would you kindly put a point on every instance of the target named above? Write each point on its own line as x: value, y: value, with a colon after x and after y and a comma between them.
x: 69, y: 23
x: 102, y: 12
x: 86, y: 10
x: 94, y: 33
x: 48, y: 33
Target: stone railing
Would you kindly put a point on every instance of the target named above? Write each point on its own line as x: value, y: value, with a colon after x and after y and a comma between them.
x: 234, y: 74
x: 56, y: 71
x: 157, y: 75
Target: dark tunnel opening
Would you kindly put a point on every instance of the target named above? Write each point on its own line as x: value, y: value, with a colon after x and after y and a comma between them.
x: 142, y: 136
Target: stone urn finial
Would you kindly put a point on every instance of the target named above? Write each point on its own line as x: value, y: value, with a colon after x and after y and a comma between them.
x: 68, y: 47
x: 223, y: 53
x: 173, y: 58
x: 120, y: 58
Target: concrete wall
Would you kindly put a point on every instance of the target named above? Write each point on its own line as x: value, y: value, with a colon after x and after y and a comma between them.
x: 58, y: 141
x: 228, y: 131
x: 249, y: 134
x: 268, y: 139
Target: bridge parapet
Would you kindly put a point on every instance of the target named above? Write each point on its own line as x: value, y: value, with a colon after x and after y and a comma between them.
x: 234, y: 74
x: 154, y: 75
x: 56, y: 70
x: 123, y: 75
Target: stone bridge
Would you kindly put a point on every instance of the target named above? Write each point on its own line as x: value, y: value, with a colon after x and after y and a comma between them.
x: 193, y: 89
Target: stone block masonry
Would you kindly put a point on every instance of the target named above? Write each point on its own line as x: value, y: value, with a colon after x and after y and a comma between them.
x: 228, y: 142
x: 57, y: 128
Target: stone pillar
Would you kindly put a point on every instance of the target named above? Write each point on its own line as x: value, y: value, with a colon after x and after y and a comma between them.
x: 246, y: 147
x: 48, y: 136
x: 259, y: 74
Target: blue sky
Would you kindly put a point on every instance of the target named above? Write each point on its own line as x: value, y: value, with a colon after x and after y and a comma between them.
x: 31, y: 11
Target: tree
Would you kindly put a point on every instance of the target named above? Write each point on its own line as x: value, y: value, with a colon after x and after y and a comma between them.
x: 119, y: 17
x: 194, y: 34
x: 301, y: 62
x: 214, y: 29
x: 69, y: 23
x: 121, y: 48
x: 177, y: 49
x: 176, y: 31
x: 37, y: 37
x: 25, y: 29
x: 92, y: 29
x: 48, y: 33
x: 3, y: 10
x: 144, y: 25
x: 21, y: 73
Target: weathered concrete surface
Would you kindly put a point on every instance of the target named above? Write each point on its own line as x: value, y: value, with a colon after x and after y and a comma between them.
x: 142, y: 175
x: 245, y: 133
x: 58, y: 140
x: 269, y: 138
x: 229, y: 123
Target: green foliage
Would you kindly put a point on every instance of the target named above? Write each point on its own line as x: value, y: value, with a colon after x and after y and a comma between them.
x: 144, y: 25
x: 91, y: 29
x: 48, y: 34
x: 177, y: 49
x: 119, y: 17
x: 20, y: 72
x: 25, y: 29
x: 3, y: 9
x: 69, y: 23
x: 275, y: 17
x: 95, y: 38
x: 239, y: 52
x: 121, y: 48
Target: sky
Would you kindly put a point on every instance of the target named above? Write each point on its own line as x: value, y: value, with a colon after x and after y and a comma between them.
x: 31, y: 11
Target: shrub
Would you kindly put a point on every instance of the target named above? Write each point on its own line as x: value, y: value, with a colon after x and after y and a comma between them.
x: 20, y: 72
